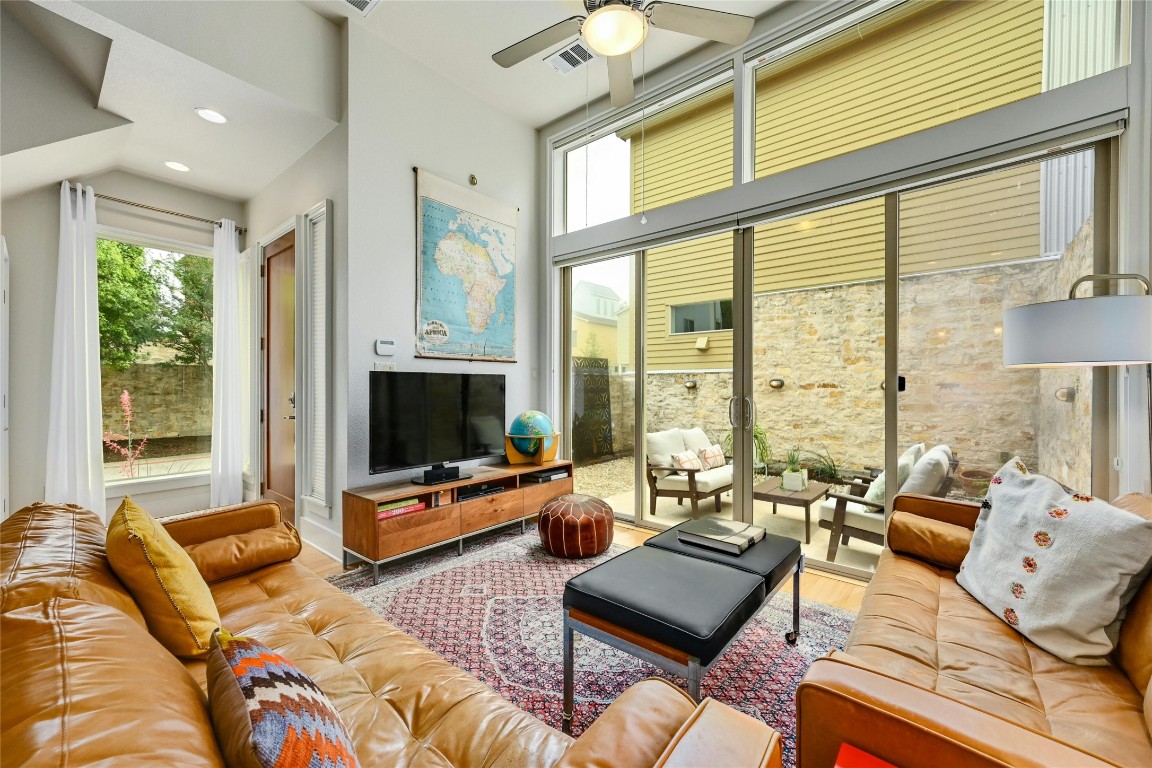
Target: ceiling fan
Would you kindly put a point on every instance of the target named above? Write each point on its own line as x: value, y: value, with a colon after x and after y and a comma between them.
x: 615, y: 28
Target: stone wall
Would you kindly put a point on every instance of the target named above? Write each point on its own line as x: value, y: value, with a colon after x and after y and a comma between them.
x: 168, y: 400
x: 827, y: 344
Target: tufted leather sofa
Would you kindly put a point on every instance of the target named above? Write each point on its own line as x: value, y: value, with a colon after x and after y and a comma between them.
x: 931, y: 677
x: 83, y: 682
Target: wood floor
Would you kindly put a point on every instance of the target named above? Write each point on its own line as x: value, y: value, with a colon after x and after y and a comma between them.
x: 840, y: 591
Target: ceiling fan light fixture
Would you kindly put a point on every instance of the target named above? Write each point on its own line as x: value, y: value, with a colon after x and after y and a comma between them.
x: 614, y: 30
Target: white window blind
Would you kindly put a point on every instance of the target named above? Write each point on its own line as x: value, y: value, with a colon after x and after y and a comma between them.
x: 316, y: 363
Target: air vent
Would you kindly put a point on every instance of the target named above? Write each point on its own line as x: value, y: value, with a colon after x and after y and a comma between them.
x: 363, y: 6
x: 570, y: 57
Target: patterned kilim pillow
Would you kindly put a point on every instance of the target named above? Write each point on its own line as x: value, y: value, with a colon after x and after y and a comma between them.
x: 266, y: 712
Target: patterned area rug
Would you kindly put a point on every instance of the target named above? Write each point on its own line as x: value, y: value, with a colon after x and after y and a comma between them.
x: 496, y: 612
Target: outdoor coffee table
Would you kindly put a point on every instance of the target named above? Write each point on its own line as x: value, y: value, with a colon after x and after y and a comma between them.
x: 674, y: 605
x: 770, y: 490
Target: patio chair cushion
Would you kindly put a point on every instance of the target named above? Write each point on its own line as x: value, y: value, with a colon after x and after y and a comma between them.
x: 855, y: 515
x: 929, y: 473
x: 706, y: 481
x: 904, y: 467
x: 695, y: 440
x: 712, y: 456
x: 661, y: 445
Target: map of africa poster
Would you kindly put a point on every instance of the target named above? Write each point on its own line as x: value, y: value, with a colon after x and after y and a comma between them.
x: 466, y: 273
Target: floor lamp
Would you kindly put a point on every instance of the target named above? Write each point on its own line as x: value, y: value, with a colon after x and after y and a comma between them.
x: 1089, y: 331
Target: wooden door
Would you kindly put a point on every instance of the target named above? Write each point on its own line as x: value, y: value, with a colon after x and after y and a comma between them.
x: 280, y: 374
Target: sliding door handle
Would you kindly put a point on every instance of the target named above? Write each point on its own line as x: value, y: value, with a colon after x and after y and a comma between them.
x: 734, y: 412
x: 748, y: 413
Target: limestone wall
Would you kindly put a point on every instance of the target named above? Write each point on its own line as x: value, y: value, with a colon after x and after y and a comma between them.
x: 168, y: 400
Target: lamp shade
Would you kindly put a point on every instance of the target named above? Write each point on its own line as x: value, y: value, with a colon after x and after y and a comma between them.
x: 613, y: 30
x: 1101, y: 330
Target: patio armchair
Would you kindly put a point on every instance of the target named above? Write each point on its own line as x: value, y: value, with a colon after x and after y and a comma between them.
x: 666, y: 479
x: 860, y: 514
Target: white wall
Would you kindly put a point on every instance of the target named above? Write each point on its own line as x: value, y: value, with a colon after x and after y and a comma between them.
x: 31, y: 225
x: 402, y: 115
x: 321, y: 174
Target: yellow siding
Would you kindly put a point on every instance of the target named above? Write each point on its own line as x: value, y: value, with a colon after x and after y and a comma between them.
x: 605, y: 344
x: 945, y: 61
x: 684, y: 153
x: 949, y: 61
x: 687, y: 273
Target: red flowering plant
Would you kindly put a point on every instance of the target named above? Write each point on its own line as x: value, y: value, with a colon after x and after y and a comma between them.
x: 113, y: 439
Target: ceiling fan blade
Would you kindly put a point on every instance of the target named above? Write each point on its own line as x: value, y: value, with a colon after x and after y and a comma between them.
x: 620, y: 84
x: 730, y: 28
x: 544, y: 39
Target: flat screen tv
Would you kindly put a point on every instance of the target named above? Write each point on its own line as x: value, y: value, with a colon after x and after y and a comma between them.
x: 418, y: 419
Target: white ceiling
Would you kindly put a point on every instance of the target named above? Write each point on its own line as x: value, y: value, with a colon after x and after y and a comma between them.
x: 112, y: 84
x: 457, y: 38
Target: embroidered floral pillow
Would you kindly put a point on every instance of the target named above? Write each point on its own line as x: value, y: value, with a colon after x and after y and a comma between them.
x: 1059, y: 567
x: 712, y: 457
x: 686, y: 460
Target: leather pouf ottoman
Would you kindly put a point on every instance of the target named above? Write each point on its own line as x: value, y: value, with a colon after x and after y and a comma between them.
x: 576, y: 525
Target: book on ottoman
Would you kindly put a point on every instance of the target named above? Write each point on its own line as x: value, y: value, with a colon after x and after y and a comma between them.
x: 722, y: 535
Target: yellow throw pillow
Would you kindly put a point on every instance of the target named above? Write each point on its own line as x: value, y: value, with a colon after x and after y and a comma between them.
x: 171, y: 593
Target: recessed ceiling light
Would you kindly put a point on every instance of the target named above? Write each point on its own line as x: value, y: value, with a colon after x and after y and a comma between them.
x: 211, y: 115
x: 177, y: 166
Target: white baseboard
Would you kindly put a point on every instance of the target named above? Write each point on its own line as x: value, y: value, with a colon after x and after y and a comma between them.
x: 327, y: 541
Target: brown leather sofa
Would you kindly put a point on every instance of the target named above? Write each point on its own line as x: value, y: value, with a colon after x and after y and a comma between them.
x: 83, y: 681
x: 929, y: 677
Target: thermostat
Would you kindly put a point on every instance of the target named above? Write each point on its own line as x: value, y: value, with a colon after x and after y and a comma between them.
x: 385, y: 348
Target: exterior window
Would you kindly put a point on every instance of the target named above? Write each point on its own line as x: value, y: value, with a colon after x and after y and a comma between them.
x: 155, y: 360
x: 706, y: 316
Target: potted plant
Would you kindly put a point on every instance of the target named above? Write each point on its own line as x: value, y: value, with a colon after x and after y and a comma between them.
x: 795, y: 477
x: 823, y: 467
x: 760, y: 447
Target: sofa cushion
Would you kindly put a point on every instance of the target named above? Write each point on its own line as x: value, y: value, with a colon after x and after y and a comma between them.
x: 712, y: 456
x: 57, y: 550
x: 1059, y: 567
x: 267, y: 713
x: 1134, y: 646
x: 695, y: 439
x: 86, y: 685
x: 239, y: 553
x: 929, y: 472
x: 707, y: 481
x: 687, y: 460
x: 171, y: 593
x: 935, y: 541
x: 918, y: 625
x: 403, y: 704
x: 904, y: 465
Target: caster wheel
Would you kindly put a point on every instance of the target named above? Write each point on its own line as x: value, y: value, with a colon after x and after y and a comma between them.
x: 791, y: 637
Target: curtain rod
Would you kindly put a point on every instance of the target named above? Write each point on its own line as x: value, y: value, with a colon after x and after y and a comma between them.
x: 241, y: 230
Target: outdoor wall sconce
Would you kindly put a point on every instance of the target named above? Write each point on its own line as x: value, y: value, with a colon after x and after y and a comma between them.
x: 1066, y: 394
x: 776, y: 383
x: 690, y: 384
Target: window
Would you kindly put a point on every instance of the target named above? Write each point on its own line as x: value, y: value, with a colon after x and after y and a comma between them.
x: 155, y: 310
x: 705, y: 316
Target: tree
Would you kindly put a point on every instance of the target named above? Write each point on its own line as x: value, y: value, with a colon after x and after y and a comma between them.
x: 128, y: 300
x: 189, y: 310
x: 592, y: 346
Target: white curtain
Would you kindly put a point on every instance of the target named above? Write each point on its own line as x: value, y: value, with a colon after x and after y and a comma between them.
x: 227, y: 392
x: 75, y: 468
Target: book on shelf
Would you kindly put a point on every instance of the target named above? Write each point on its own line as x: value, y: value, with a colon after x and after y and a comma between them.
x: 386, y: 505
x: 721, y: 535
x: 384, y: 514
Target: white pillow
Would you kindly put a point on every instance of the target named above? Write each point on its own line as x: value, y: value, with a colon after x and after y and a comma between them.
x: 875, y: 492
x: 695, y: 440
x: 686, y: 460
x: 929, y: 473
x: 915, y: 451
x: 1059, y: 567
x: 661, y: 446
x: 712, y: 456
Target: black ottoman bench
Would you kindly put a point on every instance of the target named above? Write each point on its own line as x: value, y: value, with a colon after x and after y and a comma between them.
x: 675, y: 605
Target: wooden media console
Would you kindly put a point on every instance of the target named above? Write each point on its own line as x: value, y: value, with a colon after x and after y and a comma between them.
x: 450, y: 510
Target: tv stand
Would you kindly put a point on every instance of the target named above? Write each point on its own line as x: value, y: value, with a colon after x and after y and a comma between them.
x: 422, y: 481
x: 449, y: 515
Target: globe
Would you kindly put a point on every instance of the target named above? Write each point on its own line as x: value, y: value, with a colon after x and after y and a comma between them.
x: 527, y: 430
